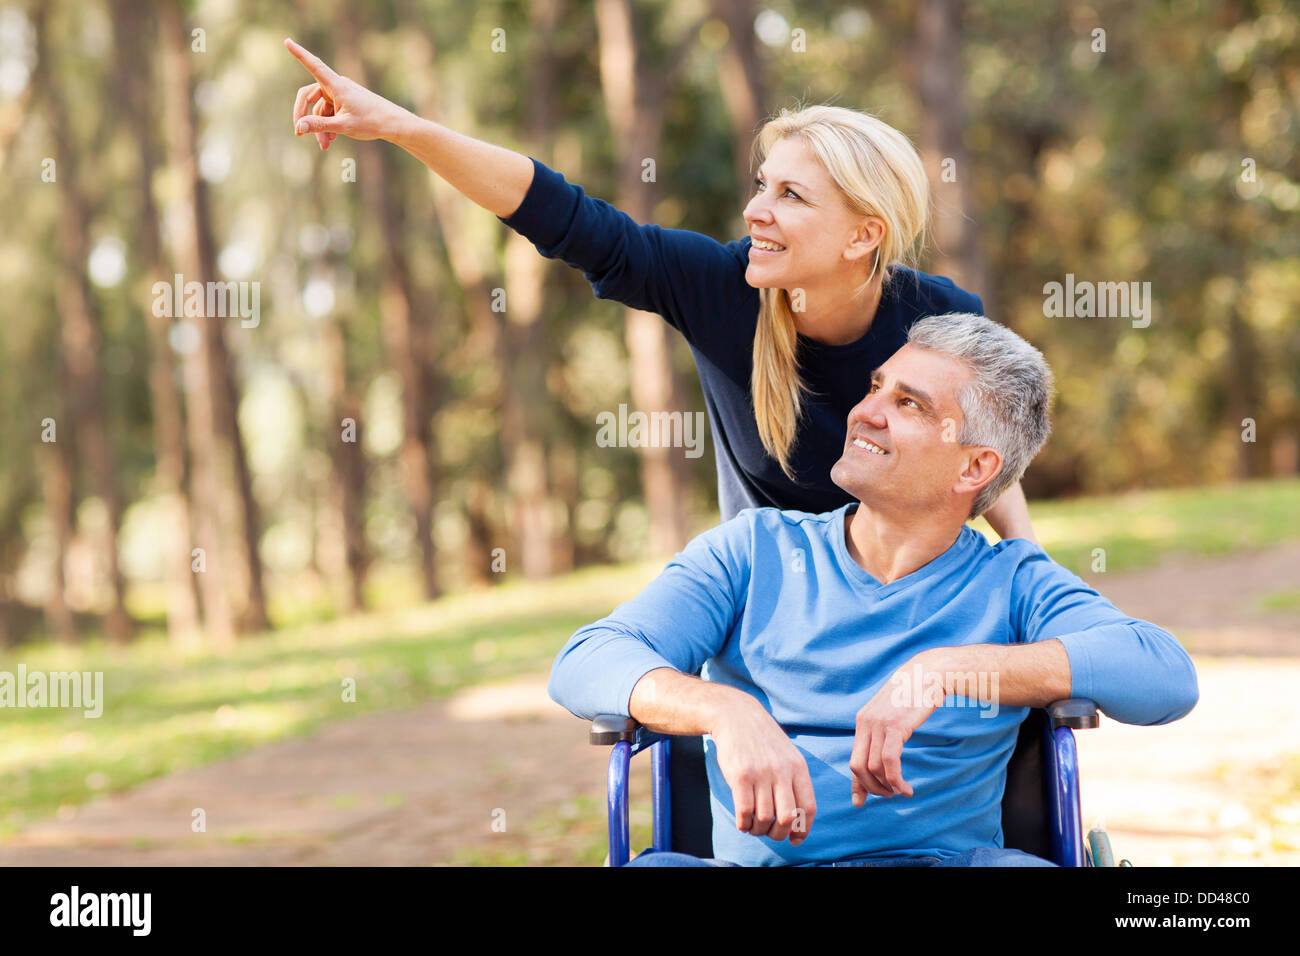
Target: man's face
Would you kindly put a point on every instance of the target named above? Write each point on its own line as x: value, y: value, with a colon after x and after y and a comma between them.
x: 901, y: 449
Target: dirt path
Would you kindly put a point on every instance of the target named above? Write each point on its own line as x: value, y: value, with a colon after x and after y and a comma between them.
x: 435, y: 784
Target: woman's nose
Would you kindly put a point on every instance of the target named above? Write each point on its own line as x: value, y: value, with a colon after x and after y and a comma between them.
x: 756, y: 211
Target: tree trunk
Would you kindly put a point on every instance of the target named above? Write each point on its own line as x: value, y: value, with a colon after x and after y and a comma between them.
x: 57, y: 491
x: 743, y: 88
x: 634, y: 105
x: 349, y: 463
x: 515, y: 339
x: 472, y: 263
x: 135, y: 102
x: 943, y: 124
x: 205, y: 456
x: 406, y: 327
x: 81, y: 345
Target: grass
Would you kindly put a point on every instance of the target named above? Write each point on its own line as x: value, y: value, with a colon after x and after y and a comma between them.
x: 571, y: 833
x: 1284, y: 600
x: 166, y: 710
x: 1140, y: 529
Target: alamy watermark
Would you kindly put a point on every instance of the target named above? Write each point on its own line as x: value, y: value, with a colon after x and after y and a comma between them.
x: 1102, y: 300
x: 653, y: 430
x: 970, y: 688
x: 212, y: 300
x: 84, y: 689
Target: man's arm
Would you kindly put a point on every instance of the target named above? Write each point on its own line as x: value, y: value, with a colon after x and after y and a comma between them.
x: 1072, y: 642
x: 632, y: 662
x: 681, y: 619
x: 1136, y: 672
x: 1028, y: 675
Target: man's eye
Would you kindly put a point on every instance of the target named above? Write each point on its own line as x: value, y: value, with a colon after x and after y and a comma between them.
x: 911, y: 402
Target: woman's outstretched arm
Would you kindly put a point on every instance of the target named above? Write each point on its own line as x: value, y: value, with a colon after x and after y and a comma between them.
x: 494, y: 177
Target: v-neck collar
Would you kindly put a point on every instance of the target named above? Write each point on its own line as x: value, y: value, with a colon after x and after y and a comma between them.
x: 866, y: 582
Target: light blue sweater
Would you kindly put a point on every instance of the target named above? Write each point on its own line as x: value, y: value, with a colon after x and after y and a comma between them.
x: 771, y: 602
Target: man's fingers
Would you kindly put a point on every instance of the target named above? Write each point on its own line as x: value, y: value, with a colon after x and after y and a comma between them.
x: 860, y: 766
x: 764, y: 810
x: 314, y: 64
x: 891, y: 754
x: 744, y: 795
x: 876, y: 764
x: 805, y: 808
x: 785, y: 818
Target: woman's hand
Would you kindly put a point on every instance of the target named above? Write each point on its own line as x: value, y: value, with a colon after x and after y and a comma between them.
x: 334, y: 104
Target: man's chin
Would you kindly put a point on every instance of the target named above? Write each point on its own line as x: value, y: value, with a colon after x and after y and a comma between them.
x: 845, y: 480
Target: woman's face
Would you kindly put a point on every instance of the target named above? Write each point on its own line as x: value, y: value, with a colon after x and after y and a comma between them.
x: 797, y: 207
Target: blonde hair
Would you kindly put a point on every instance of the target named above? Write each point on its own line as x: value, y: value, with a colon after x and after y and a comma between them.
x: 879, y: 174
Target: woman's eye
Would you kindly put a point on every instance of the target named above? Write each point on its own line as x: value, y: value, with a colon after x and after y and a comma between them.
x: 759, y: 184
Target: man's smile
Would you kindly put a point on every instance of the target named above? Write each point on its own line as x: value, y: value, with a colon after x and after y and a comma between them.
x: 866, y: 444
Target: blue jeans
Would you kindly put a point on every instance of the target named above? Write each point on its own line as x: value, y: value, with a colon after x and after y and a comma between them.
x: 980, y: 856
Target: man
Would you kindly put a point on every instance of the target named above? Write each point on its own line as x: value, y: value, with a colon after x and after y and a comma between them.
x: 865, y: 670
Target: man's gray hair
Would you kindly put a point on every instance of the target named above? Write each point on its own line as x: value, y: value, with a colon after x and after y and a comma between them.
x: 1006, y: 406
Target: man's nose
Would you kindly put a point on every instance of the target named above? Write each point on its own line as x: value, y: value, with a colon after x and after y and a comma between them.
x: 870, y: 411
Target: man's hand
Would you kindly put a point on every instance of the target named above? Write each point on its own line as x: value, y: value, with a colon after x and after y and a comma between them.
x: 769, y: 778
x: 883, y: 726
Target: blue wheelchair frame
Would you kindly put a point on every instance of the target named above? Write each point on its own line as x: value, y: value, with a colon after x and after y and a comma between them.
x: 1059, y: 720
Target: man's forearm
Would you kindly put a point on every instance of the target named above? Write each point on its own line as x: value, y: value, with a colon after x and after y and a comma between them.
x: 670, y: 702
x: 1018, y: 675
x: 494, y: 177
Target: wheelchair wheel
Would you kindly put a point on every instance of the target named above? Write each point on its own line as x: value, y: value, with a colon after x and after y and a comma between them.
x: 1099, y: 844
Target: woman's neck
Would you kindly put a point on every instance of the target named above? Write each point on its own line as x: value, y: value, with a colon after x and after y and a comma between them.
x: 845, y: 320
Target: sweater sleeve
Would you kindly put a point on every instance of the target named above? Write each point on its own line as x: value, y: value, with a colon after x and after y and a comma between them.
x: 680, y: 620
x: 1136, y: 672
x: 684, y: 276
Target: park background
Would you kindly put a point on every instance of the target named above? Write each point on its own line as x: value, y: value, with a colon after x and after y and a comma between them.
x: 398, y: 488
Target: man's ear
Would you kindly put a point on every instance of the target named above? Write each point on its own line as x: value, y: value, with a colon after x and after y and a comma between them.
x: 982, y: 465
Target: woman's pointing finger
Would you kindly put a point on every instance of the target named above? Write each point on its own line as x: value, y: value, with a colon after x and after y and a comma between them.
x: 314, y: 64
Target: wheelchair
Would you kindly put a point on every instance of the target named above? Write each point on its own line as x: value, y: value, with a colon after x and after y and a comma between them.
x: 1040, y: 804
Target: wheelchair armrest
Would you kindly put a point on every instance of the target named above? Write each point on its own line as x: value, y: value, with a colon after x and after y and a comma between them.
x: 1079, y: 713
x: 609, y: 729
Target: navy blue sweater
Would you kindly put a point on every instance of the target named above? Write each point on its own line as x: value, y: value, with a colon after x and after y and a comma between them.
x: 698, y: 285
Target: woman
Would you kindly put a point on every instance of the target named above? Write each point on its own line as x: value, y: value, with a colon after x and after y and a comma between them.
x: 785, y: 325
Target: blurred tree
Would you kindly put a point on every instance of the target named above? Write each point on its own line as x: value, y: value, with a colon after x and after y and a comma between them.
x: 635, y: 96
x: 85, y: 417
x: 210, y: 480
x: 134, y: 102
x: 407, y: 322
